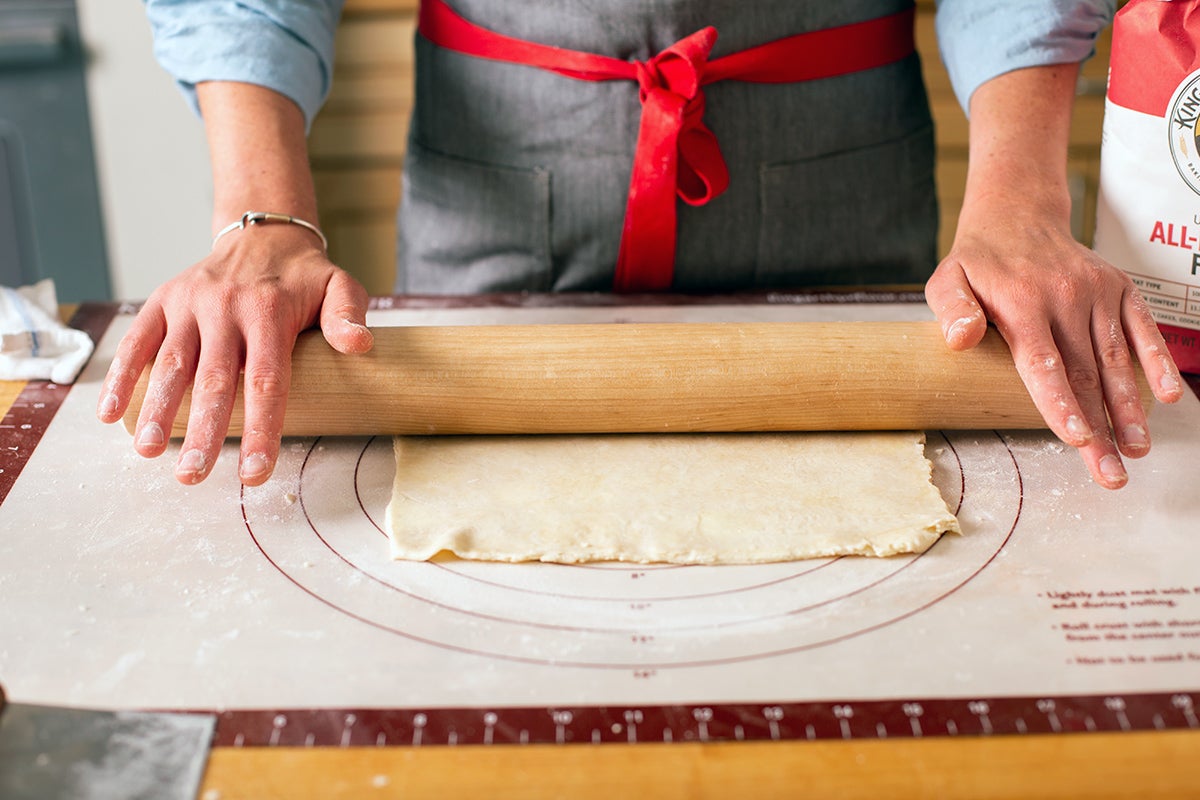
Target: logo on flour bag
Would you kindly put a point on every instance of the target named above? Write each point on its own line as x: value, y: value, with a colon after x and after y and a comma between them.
x: 1182, y: 115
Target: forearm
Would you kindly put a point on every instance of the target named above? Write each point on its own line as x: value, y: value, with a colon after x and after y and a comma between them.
x: 258, y: 151
x: 1020, y: 128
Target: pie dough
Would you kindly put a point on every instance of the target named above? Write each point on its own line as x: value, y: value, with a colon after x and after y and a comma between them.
x: 675, y: 498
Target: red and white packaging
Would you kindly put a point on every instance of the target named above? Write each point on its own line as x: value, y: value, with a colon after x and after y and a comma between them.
x: 1148, y: 213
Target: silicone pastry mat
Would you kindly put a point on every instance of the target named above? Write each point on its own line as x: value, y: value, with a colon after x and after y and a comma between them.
x: 1062, y: 607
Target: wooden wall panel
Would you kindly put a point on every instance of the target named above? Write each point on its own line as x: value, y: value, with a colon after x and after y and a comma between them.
x: 357, y: 142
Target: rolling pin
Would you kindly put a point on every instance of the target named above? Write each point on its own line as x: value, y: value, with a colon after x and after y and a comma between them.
x: 637, y: 378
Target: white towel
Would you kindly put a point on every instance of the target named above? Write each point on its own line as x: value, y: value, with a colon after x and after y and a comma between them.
x: 34, y: 345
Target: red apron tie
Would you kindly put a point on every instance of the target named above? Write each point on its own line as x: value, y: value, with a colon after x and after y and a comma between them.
x: 677, y: 155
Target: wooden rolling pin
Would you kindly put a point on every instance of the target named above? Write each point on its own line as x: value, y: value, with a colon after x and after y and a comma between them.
x: 582, y: 378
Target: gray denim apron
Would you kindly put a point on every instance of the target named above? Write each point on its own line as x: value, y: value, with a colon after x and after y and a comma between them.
x: 516, y: 178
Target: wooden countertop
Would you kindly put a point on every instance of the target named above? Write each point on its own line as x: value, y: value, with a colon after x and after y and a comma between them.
x: 8, y: 393
x: 1096, y: 765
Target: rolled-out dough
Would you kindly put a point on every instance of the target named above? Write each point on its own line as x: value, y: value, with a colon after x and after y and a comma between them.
x: 675, y: 498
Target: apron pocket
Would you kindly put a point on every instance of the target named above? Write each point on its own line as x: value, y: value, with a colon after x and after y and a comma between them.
x: 469, y: 227
x: 865, y: 216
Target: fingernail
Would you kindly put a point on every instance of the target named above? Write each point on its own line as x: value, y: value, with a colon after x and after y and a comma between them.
x: 108, y: 406
x: 151, y: 435
x: 254, y: 465
x: 191, y: 463
x: 958, y: 329
x: 1135, y: 437
x: 1078, y: 429
x: 362, y: 329
x: 1168, y: 382
x: 1110, y: 467
x: 955, y: 331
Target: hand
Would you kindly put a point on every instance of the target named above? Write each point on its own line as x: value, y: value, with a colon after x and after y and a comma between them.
x: 1070, y: 319
x: 241, y: 306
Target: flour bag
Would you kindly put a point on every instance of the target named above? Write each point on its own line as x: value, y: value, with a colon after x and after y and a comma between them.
x: 1148, y: 213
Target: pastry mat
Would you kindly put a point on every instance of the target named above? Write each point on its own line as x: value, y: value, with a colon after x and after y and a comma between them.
x: 1062, y: 608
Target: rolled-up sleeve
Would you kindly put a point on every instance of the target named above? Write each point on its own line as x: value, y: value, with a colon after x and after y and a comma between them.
x: 980, y: 40
x: 285, y: 45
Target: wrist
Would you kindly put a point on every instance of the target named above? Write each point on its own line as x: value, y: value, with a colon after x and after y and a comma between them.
x: 268, y: 243
x: 230, y: 210
x: 250, y: 219
x: 1014, y: 198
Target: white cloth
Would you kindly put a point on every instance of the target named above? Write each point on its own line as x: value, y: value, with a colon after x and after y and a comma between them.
x: 34, y: 345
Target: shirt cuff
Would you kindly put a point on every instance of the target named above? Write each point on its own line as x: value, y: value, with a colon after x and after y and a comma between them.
x: 979, y: 41
x: 237, y: 42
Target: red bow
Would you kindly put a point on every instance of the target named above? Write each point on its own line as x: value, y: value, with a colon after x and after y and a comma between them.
x: 676, y: 153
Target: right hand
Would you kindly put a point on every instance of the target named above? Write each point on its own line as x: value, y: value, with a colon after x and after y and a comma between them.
x: 239, y: 308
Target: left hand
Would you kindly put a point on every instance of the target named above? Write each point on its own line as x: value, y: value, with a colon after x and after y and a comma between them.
x: 1070, y: 319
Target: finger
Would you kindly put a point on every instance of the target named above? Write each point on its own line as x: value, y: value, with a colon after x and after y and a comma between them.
x: 952, y: 301
x: 135, y: 351
x: 1119, y: 383
x: 1161, y: 372
x: 267, y: 376
x: 169, y: 377
x: 344, y: 315
x: 213, y: 392
x: 1083, y: 373
x: 1103, y: 461
x: 1040, y: 365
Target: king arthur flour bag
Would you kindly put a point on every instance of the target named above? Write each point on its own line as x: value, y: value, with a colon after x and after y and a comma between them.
x: 1148, y: 214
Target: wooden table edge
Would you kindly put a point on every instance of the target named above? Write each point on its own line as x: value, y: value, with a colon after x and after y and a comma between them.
x: 1074, y: 765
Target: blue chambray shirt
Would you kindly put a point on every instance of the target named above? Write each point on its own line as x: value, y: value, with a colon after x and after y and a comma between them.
x: 287, y: 45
